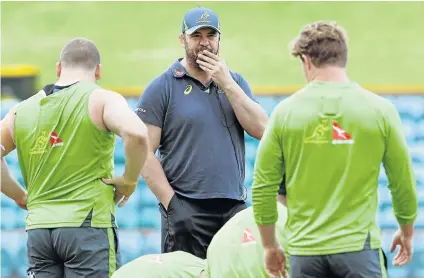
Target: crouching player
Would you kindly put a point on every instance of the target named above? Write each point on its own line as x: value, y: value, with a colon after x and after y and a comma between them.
x: 177, y: 264
x: 236, y: 250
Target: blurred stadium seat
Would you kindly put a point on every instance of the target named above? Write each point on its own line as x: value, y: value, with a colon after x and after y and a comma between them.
x: 6, y: 105
x: 150, y: 218
x: 131, y: 243
x: 119, y: 155
x: 151, y: 242
x: 249, y: 174
x: 268, y: 103
x: 7, y: 265
x: 148, y: 199
x: 139, y: 220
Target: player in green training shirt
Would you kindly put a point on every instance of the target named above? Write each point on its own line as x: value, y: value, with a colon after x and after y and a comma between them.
x: 236, y: 250
x: 330, y: 139
x: 65, y: 139
x: 177, y: 264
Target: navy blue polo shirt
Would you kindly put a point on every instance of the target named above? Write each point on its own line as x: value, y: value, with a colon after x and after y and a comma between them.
x: 202, y: 144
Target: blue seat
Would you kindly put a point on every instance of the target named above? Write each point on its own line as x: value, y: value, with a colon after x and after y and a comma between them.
x: 135, y: 198
x: 418, y: 259
x: 131, y: 244
x: 408, y: 125
x: 398, y: 272
x: 119, y: 155
x: 268, y: 103
x: 420, y: 192
x: 147, y: 198
x: 382, y: 177
x: 128, y: 217
x: 248, y: 138
x: 417, y: 152
x: 386, y: 218
x: 251, y: 148
x: 249, y: 197
x: 8, y: 218
x: 414, y: 105
x: 407, y: 106
x: 141, y: 183
x: 12, y: 159
x: 15, y: 170
x: 119, y: 169
x: 384, y: 195
x: 7, y: 104
x: 132, y: 102
x: 20, y: 216
x: 248, y: 180
x: 152, y: 242
x: 22, y: 260
x: 150, y: 218
x: 419, y: 222
x: 419, y: 127
x: 418, y: 168
x: 6, y: 202
x: 7, y: 263
x: 13, y: 244
x: 419, y: 175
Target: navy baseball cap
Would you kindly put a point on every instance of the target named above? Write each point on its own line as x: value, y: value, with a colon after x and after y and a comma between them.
x: 198, y: 18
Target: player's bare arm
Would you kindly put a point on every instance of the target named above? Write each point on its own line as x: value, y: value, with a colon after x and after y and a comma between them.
x: 9, y: 185
x: 152, y: 171
x: 275, y: 260
x: 118, y: 118
x: 7, y: 143
x: 250, y: 114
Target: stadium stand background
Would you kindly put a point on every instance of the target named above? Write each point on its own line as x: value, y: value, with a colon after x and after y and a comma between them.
x: 135, y: 50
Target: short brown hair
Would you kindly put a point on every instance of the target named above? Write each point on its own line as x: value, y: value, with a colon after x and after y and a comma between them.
x: 80, y: 53
x: 325, y: 42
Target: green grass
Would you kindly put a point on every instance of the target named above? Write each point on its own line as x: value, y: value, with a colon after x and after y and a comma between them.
x: 139, y: 40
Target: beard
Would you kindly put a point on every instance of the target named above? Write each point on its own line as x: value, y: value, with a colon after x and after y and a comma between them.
x: 193, y: 54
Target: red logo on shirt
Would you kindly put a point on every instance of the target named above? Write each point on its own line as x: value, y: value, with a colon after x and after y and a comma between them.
x: 340, y: 136
x: 157, y: 260
x: 248, y: 237
x: 179, y: 73
x: 55, y: 141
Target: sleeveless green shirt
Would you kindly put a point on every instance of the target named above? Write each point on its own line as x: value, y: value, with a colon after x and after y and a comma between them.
x: 63, y: 157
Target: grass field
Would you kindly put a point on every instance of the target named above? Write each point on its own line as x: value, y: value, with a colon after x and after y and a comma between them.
x: 138, y: 40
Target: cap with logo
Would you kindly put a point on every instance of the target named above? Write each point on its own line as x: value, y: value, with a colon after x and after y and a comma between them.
x: 198, y: 18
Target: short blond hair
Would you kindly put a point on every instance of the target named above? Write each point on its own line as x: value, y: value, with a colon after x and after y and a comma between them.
x: 324, y: 42
x: 80, y: 53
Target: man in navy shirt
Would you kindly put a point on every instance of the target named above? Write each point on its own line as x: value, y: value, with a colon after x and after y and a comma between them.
x: 196, y: 113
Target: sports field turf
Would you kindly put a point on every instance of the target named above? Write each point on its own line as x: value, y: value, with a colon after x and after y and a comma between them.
x: 138, y: 40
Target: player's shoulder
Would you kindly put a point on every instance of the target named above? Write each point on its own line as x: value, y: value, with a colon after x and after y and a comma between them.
x: 379, y: 102
x: 286, y: 105
x: 296, y: 96
x: 103, y: 93
x: 31, y: 101
x: 100, y: 97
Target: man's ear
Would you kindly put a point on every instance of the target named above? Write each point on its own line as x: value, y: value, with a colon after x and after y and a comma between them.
x: 58, y: 69
x: 307, y: 61
x: 181, y: 39
x: 98, y: 73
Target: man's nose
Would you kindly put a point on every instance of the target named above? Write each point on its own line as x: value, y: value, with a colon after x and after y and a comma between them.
x: 204, y: 41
